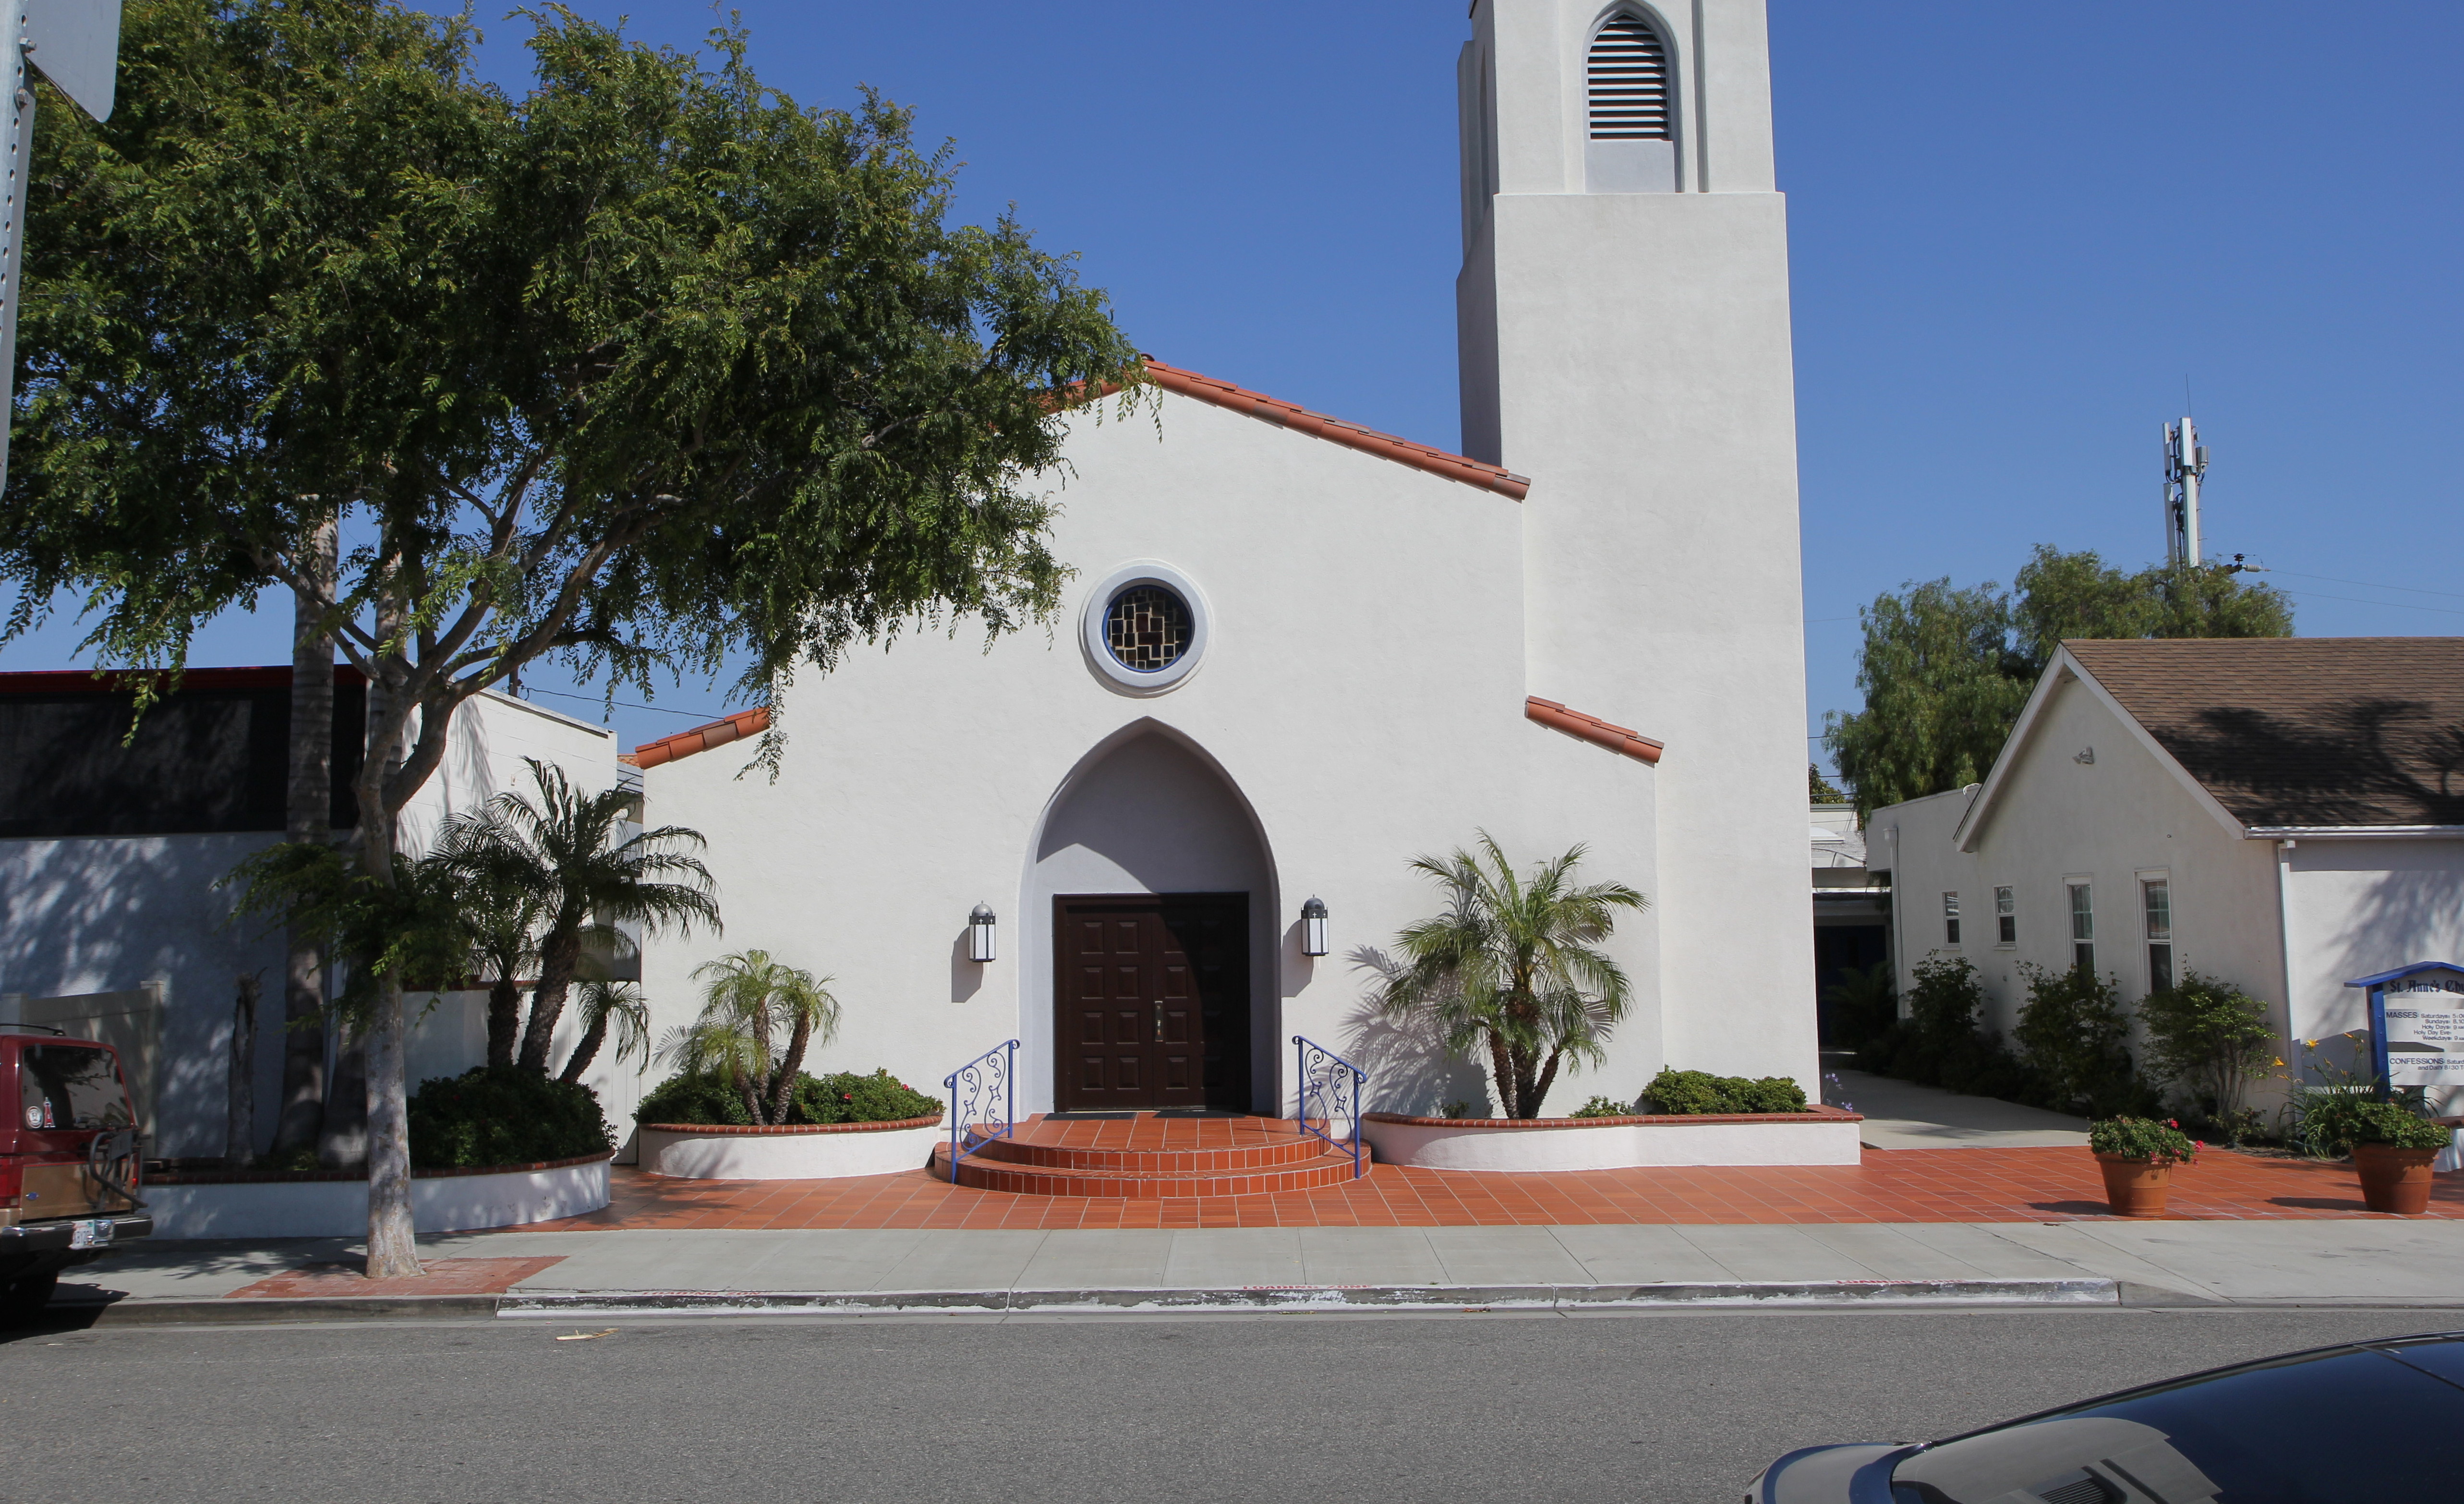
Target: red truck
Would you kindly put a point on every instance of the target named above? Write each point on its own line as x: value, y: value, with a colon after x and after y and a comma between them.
x: 69, y: 1165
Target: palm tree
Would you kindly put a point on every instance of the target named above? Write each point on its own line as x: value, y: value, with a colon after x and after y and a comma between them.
x: 1510, y: 966
x: 562, y: 852
x: 746, y: 998
x: 607, y: 1006
x: 504, y: 944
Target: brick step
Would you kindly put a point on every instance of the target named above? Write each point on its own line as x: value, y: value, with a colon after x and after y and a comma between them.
x: 1264, y: 1151
x: 1324, y: 1167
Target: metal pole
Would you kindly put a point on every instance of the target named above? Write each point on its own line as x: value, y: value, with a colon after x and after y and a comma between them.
x: 12, y: 213
x: 2190, y: 491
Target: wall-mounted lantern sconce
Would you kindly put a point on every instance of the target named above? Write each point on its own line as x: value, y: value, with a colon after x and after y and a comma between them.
x: 980, y: 935
x: 1313, y: 927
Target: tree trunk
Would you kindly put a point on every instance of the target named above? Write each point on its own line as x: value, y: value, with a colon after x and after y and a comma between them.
x: 504, y: 1021
x: 784, y: 1087
x: 745, y: 1088
x: 1547, y: 1078
x: 308, y: 817
x: 1501, y: 1070
x: 239, y: 1134
x: 393, y: 1240
x: 558, y: 958
x: 587, y: 1050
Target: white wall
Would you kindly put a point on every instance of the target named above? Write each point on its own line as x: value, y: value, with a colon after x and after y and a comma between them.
x: 97, y: 914
x: 2358, y: 906
x: 1630, y: 352
x: 1363, y: 695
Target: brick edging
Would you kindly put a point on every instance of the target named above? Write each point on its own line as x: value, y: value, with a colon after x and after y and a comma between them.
x: 288, y: 1177
x: 1650, y: 1120
x: 731, y: 1130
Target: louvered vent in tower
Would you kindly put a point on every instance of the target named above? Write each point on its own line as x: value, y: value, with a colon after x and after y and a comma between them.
x: 1629, y: 82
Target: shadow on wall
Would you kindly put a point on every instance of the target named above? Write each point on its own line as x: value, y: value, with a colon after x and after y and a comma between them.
x: 2366, y: 763
x: 1410, y: 1068
x: 2403, y: 914
x: 108, y: 914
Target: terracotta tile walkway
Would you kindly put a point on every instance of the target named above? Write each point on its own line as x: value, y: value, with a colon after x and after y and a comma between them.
x: 445, y: 1276
x: 2035, y: 1184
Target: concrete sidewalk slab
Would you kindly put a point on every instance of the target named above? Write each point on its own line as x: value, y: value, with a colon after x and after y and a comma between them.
x: 1902, y: 1115
x: 2376, y: 1261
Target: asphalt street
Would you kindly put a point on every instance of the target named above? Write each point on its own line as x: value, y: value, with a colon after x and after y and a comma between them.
x: 1596, y: 1408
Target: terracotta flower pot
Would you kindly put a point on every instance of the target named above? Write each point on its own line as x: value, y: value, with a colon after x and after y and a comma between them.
x: 2135, y: 1188
x: 2393, y: 1179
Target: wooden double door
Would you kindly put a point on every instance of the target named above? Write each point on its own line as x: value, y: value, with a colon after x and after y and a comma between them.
x: 1152, y: 1002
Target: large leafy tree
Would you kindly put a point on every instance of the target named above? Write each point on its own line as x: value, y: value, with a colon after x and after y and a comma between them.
x: 1945, y: 670
x: 1512, y: 967
x: 650, y: 367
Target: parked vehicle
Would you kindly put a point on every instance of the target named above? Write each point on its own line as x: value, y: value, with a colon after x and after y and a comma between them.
x: 69, y: 1165
x: 2377, y: 1419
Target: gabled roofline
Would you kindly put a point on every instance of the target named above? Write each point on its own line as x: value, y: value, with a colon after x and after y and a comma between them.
x: 1335, y: 430
x: 701, y: 739
x: 1971, y: 825
x: 1592, y: 729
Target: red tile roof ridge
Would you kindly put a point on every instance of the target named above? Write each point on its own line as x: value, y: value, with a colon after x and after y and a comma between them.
x: 701, y: 739
x: 1592, y: 729
x: 1336, y: 430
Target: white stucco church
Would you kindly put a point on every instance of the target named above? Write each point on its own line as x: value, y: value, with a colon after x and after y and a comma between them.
x: 1296, y: 654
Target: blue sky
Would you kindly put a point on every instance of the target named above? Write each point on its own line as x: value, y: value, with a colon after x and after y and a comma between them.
x: 2016, y: 232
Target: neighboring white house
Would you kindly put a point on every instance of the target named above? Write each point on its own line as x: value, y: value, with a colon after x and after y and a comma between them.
x: 111, y: 919
x: 2284, y: 813
x: 1297, y: 655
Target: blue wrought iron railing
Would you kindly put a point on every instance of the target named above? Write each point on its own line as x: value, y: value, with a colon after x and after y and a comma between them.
x: 1330, y: 1088
x: 987, y: 1082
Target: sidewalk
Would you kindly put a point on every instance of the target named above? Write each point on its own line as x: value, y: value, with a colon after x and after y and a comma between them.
x: 1902, y: 1115
x: 2410, y: 1262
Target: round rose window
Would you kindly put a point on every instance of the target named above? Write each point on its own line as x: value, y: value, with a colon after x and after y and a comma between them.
x: 1147, y: 628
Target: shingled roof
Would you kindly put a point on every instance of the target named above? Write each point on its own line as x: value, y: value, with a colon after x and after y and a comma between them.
x: 2308, y: 732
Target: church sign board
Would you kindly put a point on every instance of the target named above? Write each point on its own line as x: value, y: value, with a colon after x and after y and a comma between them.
x: 2417, y: 1024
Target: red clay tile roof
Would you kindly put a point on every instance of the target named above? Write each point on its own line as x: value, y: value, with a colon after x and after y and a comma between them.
x: 1335, y: 430
x: 2303, y: 732
x: 701, y: 739
x: 1592, y: 729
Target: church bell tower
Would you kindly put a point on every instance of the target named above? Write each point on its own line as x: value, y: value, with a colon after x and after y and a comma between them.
x: 1623, y: 319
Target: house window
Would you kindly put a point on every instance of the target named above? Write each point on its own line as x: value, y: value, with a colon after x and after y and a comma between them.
x: 1951, y: 919
x: 2082, y: 928
x: 2006, y: 918
x: 1147, y: 628
x: 1629, y: 82
x: 2156, y: 902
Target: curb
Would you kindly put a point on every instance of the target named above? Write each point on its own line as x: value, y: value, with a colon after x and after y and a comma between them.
x: 1798, y: 1295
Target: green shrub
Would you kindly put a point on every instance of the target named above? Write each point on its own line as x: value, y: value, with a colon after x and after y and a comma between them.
x: 1698, y: 1092
x: 2207, y: 1037
x: 2143, y: 1139
x: 1939, y: 1043
x: 503, y: 1114
x: 1604, y: 1107
x: 2331, y: 1119
x: 2077, y: 1041
x: 844, y: 1097
x: 850, y: 1097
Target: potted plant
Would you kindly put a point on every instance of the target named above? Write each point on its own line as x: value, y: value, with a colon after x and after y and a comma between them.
x: 2137, y: 1156
x: 2392, y: 1148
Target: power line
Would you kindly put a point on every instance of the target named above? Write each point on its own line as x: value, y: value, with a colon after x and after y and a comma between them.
x: 2400, y: 605
x: 2367, y: 584
x: 592, y: 699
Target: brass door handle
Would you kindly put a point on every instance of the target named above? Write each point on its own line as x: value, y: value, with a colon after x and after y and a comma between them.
x: 1158, y: 1038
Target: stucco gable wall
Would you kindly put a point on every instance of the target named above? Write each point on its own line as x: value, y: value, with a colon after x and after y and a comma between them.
x: 1363, y: 692
x: 2112, y: 822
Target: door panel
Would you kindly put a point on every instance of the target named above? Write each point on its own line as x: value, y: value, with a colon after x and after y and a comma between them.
x: 1155, y: 998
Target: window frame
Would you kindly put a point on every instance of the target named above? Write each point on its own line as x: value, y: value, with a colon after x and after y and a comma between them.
x: 2151, y: 882
x: 2082, y: 917
x: 2006, y: 918
x: 1950, y: 916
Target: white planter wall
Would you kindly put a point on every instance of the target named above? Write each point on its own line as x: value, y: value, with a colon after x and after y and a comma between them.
x: 1471, y: 1145
x: 825, y: 1153
x: 339, y: 1208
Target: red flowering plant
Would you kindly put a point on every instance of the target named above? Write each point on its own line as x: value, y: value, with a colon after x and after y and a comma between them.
x: 2145, y: 1139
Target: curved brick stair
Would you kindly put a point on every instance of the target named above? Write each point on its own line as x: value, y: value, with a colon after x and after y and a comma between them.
x: 1151, y: 1158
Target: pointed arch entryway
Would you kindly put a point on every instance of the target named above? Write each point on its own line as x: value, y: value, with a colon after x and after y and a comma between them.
x: 1150, y: 977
